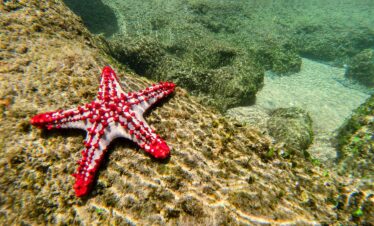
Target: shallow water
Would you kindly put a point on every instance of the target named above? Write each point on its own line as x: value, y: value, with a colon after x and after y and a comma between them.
x: 317, y: 88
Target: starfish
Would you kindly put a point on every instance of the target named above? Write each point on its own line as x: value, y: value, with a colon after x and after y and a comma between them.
x: 112, y: 114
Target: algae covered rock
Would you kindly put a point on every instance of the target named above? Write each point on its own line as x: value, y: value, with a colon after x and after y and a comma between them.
x: 293, y: 126
x: 361, y: 68
x: 217, y: 17
x: 331, y: 43
x: 355, y: 142
x: 277, y: 55
x: 223, y: 76
x: 143, y: 55
x: 224, y: 86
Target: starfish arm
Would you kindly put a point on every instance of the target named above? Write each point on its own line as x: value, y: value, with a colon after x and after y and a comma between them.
x: 144, y: 99
x: 95, y: 148
x: 72, y: 118
x: 110, y: 88
x: 139, y: 131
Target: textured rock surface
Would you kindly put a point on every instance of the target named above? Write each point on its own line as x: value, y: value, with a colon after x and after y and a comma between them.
x: 329, y: 42
x: 223, y: 76
x: 361, y: 68
x: 356, y: 142
x: 292, y: 126
x: 278, y: 55
x: 253, y: 115
x: 217, y: 173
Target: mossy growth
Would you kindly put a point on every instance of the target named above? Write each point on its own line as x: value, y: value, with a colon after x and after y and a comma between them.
x: 12, y: 5
x: 217, y: 17
x: 245, y: 201
x: 279, y: 56
x: 357, y: 213
x: 223, y: 76
x: 354, y: 123
x: 293, y: 127
x: 143, y: 55
x: 361, y: 68
x: 355, y: 141
x: 330, y: 42
x: 192, y: 206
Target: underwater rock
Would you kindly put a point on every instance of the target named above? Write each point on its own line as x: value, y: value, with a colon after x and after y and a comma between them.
x: 293, y: 127
x: 230, y: 18
x: 217, y: 17
x: 221, y: 75
x: 273, y: 54
x: 331, y: 43
x: 252, y: 115
x: 361, y: 68
x: 143, y: 55
x: 355, y: 142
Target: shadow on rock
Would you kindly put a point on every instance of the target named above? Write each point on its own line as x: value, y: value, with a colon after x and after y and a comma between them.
x: 98, y: 17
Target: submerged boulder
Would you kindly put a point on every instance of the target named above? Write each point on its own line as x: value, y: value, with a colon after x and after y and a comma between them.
x: 361, y: 68
x: 278, y: 55
x: 293, y: 127
x: 143, y: 55
x: 331, y: 43
x: 223, y: 76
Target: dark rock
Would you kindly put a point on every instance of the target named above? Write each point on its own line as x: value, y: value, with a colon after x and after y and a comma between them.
x: 97, y: 16
x: 143, y: 55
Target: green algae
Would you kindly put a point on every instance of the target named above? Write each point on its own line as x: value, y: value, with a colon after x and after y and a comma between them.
x: 221, y: 75
x: 361, y: 68
x: 355, y: 141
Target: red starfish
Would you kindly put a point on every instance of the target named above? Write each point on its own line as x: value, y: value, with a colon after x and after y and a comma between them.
x: 113, y: 114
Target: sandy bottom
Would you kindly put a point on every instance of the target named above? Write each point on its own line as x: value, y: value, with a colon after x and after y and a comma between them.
x: 318, y: 90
